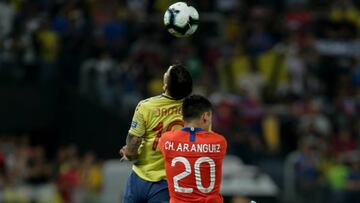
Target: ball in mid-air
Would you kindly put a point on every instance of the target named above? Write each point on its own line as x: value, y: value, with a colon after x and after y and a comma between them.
x: 181, y: 20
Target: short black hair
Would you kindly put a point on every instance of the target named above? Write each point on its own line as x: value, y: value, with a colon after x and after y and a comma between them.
x: 194, y: 106
x: 179, y: 83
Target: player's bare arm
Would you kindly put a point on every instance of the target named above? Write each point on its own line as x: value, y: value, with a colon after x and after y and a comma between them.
x: 130, y: 150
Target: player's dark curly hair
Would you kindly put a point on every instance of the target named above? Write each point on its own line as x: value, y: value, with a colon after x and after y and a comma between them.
x: 179, y: 83
x: 194, y: 106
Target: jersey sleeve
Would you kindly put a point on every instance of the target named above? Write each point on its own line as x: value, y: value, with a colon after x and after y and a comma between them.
x: 137, y: 127
x: 224, y: 146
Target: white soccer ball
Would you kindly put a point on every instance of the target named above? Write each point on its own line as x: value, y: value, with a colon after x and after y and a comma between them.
x: 181, y: 20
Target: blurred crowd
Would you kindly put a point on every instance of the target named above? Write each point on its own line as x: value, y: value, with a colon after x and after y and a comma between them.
x: 279, y: 94
x: 28, y: 175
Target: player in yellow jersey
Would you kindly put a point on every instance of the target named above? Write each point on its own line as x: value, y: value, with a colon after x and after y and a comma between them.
x: 152, y: 117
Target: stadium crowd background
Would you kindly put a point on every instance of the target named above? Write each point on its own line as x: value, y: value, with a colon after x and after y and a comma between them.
x: 283, y: 103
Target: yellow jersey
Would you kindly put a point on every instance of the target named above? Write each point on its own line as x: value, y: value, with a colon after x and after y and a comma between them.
x: 152, y: 117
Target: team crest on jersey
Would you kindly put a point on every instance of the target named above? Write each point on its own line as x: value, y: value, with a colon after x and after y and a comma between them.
x: 133, y: 124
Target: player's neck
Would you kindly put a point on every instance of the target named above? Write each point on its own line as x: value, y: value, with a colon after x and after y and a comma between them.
x: 196, y: 124
x: 166, y: 93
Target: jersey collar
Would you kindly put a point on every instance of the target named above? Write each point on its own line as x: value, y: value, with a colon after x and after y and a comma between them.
x: 192, y: 129
x: 168, y: 97
x: 193, y: 132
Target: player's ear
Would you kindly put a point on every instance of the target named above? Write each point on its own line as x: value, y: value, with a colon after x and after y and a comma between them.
x: 164, y: 87
x: 165, y: 81
x: 203, y: 118
x: 206, y: 117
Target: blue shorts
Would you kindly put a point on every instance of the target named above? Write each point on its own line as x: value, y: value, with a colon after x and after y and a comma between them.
x: 140, y: 191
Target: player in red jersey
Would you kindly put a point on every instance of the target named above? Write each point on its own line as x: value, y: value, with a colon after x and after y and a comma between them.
x: 193, y: 155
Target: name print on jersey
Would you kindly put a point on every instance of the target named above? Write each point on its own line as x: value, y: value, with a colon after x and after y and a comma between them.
x: 167, y: 111
x: 192, y: 147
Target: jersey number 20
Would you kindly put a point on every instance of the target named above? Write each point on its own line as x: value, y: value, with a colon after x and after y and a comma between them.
x: 197, y: 172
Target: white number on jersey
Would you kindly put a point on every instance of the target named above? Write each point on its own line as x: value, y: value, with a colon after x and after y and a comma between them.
x: 187, y: 172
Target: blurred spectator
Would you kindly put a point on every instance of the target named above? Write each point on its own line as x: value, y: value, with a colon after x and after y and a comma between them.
x: 97, y: 78
x: 271, y: 131
x: 308, y: 178
x: 138, y: 7
x: 38, y: 172
x: 297, y: 17
x: 90, y: 179
x: 252, y: 82
x: 225, y: 119
x: 314, y: 122
x: 336, y: 177
x: 296, y: 69
x: 344, y: 12
x: 353, y: 180
x: 259, y: 40
x: 343, y: 142
x: 68, y: 177
x: 227, y: 6
x: 48, y: 50
x: 7, y: 14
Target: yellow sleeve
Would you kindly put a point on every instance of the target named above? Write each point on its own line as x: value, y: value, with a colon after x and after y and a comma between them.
x: 137, y: 127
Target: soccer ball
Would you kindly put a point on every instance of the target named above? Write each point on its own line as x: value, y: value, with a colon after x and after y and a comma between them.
x: 181, y: 20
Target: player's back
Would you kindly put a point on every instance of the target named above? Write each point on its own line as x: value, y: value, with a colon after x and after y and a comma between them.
x: 152, y: 117
x: 193, y: 161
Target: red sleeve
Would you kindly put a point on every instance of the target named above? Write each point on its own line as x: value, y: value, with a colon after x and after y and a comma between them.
x: 224, y: 146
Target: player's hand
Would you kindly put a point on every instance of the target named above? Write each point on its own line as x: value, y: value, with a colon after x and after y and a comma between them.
x: 122, y: 154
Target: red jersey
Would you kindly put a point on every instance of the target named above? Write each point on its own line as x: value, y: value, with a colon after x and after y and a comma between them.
x: 193, y: 161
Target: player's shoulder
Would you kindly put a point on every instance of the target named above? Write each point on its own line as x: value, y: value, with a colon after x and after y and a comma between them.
x: 149, y: 101
x: 172, y: 133
x: 170, y: 136
x: 176, y: 135
x: 216, y: 136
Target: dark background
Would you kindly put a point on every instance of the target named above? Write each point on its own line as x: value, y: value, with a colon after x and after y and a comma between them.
x: 284, y: 77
